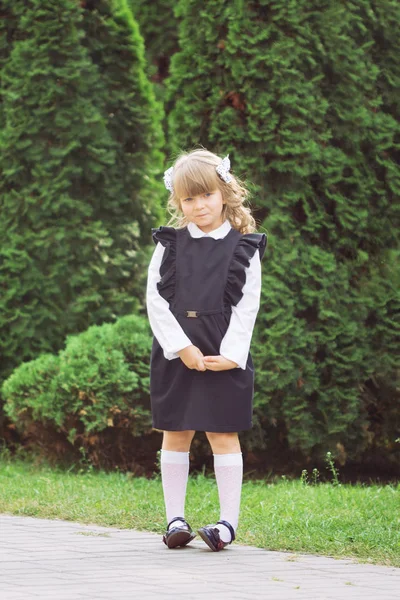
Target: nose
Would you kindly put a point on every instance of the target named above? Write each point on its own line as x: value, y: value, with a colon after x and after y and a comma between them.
x: 199, y: 203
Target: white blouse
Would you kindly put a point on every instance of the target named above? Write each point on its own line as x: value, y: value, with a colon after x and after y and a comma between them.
x: 235, y: 345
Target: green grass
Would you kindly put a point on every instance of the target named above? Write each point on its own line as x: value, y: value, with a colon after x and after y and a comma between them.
x: 356, y: 521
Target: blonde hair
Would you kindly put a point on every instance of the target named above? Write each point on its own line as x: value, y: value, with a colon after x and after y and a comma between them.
x: 194, y: 174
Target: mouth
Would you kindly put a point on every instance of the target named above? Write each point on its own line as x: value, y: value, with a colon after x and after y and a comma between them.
x: 202, y: 215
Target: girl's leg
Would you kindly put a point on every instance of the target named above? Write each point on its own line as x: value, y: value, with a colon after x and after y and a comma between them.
x: 175, y: 471
x: 228, y: 467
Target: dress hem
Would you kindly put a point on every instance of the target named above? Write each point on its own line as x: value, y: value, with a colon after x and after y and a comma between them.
x: 210, y: 429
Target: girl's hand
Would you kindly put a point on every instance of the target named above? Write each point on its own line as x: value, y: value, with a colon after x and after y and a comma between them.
x: 192, y: 357
x: 219, y: 363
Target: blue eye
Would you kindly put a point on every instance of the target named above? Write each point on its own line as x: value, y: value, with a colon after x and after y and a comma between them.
x: 206, y: 194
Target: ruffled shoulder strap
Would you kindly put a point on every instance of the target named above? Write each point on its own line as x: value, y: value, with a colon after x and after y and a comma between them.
x: 167, y: 238
x: 250, y: 242
x: 164, y: 235
x: 244, y: 251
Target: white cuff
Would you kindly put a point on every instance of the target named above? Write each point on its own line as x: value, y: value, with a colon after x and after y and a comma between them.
x: 240, y: 363
x: 172, y: 355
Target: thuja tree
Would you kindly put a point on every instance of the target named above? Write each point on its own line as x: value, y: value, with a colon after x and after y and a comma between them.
x: 378, y: 24
x: 159, y: 27
x: 72, y: 177
x: 8, y: 30
x: 289, y: 89
x: 134, y: 118
x: 116, y: 47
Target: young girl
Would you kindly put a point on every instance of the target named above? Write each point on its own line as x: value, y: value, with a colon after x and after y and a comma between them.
x: 203, y: 295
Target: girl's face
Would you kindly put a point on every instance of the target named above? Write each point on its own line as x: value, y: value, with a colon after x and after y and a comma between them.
x: 204, y: 210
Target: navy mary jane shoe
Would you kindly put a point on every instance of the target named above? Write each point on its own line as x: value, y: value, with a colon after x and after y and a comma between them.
x: 178, y: 536
x: 210, y: 534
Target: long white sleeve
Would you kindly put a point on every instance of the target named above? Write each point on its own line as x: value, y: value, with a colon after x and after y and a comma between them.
x: 235, y: 344
x: 163, y: 323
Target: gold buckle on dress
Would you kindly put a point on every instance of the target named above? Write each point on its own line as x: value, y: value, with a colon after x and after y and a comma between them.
x: 191, y: 313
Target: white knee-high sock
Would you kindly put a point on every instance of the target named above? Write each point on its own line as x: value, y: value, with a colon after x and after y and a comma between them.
x: 174, y: 476
x: 229, y: 475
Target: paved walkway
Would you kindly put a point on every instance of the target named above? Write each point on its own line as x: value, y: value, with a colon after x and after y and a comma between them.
x: 62, y: 560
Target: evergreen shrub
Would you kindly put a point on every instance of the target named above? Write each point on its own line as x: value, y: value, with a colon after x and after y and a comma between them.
x: 91, y: 398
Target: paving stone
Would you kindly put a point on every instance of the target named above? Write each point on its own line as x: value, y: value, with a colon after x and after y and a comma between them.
x: 44, y: 558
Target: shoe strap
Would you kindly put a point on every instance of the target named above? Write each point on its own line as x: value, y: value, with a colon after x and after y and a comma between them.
x: 229, y: 526
x: 179, y: 519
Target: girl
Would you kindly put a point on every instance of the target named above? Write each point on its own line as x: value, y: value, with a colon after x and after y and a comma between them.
x: 203, y: 295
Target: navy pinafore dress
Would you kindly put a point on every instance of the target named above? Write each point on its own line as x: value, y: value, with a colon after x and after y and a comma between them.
x: 201, y: 278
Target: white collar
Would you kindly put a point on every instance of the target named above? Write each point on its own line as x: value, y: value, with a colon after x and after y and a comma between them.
x: 217, y: 234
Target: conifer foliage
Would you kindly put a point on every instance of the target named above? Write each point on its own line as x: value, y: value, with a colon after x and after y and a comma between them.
x: 8, y: 29
x: 302, y: 95
x: 159, y: 28
x: 75, y: 196
x: 116, y: 47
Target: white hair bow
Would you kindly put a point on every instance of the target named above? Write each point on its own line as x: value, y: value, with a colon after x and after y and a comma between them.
x: 168, y: 179
x: 223, y: 169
